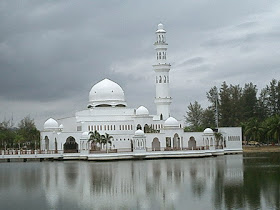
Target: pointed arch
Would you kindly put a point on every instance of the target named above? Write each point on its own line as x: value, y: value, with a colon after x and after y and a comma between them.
x: 47, y: 143
x: 192, y: 143
x: 176, y: 141
x: 156, y: 144
x: 146, y: 128
x: 139, y: 127
x: 70, y: 145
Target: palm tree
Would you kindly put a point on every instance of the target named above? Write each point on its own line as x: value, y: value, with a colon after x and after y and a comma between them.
x: 95, y: 137
x: 274, y: 127
x: 105, y: 139
x: 218, y: 137
x: 253, y: 129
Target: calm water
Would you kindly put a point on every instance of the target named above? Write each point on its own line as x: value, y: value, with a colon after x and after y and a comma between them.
x: 227, y: 182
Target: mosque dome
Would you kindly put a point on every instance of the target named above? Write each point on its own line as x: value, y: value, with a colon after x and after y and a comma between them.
x: 208, y: 131
x: 160, y: 28
x: 139, y: 133
x: 142, y: 111
x: 171, y: 122
x: 51, y: 124
x: 61, y: 126
x: 106, y: 93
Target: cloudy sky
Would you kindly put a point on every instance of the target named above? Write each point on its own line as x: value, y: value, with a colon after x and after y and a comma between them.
x: 52, y: 52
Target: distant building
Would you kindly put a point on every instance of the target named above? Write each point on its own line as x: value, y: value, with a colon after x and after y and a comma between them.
x: 133, y: 129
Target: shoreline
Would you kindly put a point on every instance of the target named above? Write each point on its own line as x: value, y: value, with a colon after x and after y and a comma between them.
x: 254, y: 149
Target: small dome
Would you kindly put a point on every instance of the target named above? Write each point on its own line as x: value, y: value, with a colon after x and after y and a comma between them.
x: 208, y: 131
x: 171, y: 122
x: 142, y: 111
x: 139, y: 133
x: 51, y: 124
x: 61, y: 126
x: 85, y: 135
x: 160, y: 28
x: 106, y: 93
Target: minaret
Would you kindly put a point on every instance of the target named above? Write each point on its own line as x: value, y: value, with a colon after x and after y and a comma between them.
x: 162, y: 68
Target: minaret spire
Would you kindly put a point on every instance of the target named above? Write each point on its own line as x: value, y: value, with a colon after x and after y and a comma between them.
x: 162, y: 68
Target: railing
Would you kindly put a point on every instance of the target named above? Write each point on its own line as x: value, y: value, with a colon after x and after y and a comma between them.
x: 120, y: 150
x: 29, y: 152
x: 103, y: 151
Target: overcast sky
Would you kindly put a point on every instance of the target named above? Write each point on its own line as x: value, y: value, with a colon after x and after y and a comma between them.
x: 52, y: 52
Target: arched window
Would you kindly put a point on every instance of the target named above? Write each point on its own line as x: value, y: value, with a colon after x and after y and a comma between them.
x: 164, y: 79
x: 159, y: 55
x: 159, y: 38
x: 139, y: 127
x: 156, y: 80
x: 159, y: 79
x: 162, y: 38
x: 161, y: 117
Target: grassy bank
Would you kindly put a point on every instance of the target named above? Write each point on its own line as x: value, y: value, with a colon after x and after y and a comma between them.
x: 261, y: 149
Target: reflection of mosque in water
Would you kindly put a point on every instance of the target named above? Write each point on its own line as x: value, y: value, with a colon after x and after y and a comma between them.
x: 140, y: 184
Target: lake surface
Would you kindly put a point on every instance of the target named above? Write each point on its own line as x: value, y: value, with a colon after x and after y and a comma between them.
x: 228, y: 182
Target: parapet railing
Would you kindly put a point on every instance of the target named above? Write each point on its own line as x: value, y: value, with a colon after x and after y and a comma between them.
x: 29, y: 152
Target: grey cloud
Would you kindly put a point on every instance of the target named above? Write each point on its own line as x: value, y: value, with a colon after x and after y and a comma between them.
x: 52, y: 52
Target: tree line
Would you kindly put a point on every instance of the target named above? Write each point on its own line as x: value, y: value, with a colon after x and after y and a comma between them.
x: 232, y: 105
x: 25, y: 135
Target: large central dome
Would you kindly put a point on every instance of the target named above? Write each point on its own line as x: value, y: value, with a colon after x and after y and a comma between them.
x: 106, y: 93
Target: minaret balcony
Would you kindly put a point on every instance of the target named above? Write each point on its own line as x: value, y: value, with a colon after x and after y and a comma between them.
x: 162, y: 67
x: 166, y: 100
x: 160, y: 45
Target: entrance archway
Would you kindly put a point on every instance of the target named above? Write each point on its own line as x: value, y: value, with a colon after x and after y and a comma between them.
x: 70, y: 145
x: 47, y: 143
x: 176, y: 141
x: 55, y: 145
x: 156, y: 144
x: 192, y: 143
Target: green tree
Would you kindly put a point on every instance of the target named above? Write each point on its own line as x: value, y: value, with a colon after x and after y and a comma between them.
x: 28, y: 132
x: 105, y: 140
x: 208, y: 118
x: 194, y: 116
x: 225, y: 107
x: 273, y: 124
x: 262, y: 104
x: 7, y: 134
x: 236, y: 105
x: 95, y: 138
x: 254, y: 129
x: 218, y: 138
x: 249, y: 102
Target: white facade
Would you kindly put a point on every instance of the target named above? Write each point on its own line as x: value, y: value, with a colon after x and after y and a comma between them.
x: 107, y: 112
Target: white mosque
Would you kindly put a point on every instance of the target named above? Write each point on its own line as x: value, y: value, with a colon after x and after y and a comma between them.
x: 133, y: 129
